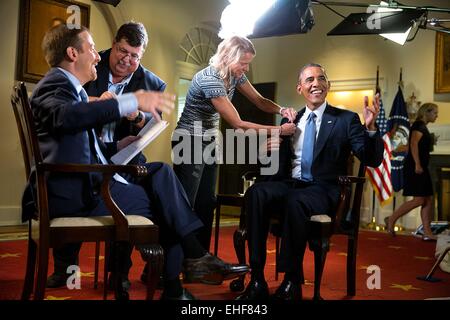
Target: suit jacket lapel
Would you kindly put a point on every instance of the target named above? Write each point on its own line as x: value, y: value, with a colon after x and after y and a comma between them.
x: 134, y: 81
x: 328, y: 122
x: 299, y: 115
x: 297, y: 119
x: 103, y: 73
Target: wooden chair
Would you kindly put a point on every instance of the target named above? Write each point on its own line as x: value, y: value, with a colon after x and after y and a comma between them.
x: 46, y: 233
x: 321, y: 227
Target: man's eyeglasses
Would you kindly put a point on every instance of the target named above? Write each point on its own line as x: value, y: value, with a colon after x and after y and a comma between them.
x: 134, y: 57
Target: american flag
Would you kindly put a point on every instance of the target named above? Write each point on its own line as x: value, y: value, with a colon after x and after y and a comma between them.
x: 398, y: 126
x: 380, y: 177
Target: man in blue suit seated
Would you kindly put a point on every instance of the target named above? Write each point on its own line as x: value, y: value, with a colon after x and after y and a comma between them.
x: 65, y: 123
x: 307, y: 180
x: 118, y: 72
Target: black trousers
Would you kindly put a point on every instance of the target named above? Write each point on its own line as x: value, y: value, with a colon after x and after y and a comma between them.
x: 199, y: 181
x: 294, y: 202
x: 159, y: 196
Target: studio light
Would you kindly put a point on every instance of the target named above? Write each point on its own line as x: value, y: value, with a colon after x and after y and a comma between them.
x: 114, y: 3
x: 401, y: 37
x: 394, y: 25
x: 393, y: 21
x: 266, y: 18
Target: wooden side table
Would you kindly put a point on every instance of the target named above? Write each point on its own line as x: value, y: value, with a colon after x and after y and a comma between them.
x: 235, y: 200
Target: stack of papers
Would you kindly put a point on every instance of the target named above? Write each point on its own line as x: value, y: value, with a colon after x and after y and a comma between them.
x: 147, y: 134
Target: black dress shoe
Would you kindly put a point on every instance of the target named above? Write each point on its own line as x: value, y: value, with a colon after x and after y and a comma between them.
x: 57, y: 280
x: 210, y: 269
x: 122, y: 292
x: 126, y: 284
x: 144, y: 275
x: 256, y: 290
x: 186, y: 295
x: 288, y: 291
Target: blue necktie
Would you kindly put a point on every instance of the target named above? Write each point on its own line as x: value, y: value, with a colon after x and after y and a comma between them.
x: 308, y: 147
x: 98, y: 151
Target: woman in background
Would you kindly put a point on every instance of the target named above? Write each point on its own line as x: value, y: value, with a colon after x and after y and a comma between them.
x: 416, y: 174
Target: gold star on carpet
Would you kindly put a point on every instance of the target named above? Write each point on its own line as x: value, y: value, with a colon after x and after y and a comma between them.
x: 309, y: 282
x: 99, y: 258
x: 394, y: 247
x: 422, y: 258
x: 10, y: 255
x: 56, y: 298
x: 405, y: 287
x: 342, y: 254
x: 87, y: 274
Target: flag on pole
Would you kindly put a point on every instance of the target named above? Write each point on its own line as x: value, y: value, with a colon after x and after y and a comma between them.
x: 398, y: 127
x: 380, y: 177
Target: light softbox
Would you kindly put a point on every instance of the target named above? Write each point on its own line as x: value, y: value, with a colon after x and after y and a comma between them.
x: 283, y: 18
x: 377, y: 23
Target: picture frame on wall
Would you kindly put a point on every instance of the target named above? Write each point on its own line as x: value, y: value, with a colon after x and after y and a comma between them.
x: 442, y: 63
x: 36, y: 17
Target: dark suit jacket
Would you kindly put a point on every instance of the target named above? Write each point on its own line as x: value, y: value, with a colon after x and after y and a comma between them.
x: 63, y: 124
x: 341, y: 132
x: 141, y: 79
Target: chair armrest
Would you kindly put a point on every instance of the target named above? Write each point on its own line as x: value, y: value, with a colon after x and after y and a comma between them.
x: 347, y: 180
x: 345, y: 196
x: 120, y: 221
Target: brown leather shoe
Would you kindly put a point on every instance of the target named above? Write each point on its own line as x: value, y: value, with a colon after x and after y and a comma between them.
x: 210, y: 269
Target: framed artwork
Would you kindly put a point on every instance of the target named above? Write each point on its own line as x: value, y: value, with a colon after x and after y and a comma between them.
x: 442, y: 63
x: 36, y: 17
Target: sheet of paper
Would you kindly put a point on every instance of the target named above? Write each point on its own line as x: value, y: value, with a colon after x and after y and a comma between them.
x: 148, y: 133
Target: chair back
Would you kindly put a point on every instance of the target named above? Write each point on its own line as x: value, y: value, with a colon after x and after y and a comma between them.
x: 30, y: 150
x: 25, y: 126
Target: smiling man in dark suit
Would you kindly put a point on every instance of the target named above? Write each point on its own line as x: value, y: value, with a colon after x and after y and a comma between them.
x: 64, y: 123
x: 306, y: 182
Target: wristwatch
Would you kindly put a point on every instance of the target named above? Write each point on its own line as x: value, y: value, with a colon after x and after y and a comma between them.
x: 139, y: 118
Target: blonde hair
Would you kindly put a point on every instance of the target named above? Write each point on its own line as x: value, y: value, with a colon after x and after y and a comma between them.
x: 425, y: 108
x: 229, y: 51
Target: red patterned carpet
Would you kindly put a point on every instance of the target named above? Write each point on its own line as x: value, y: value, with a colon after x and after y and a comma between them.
x: 400, y: 260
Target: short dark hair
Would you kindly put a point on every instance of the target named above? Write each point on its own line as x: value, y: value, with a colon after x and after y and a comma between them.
x: 56, y: 41
x: 308, y: 65
x: 134, y: 34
